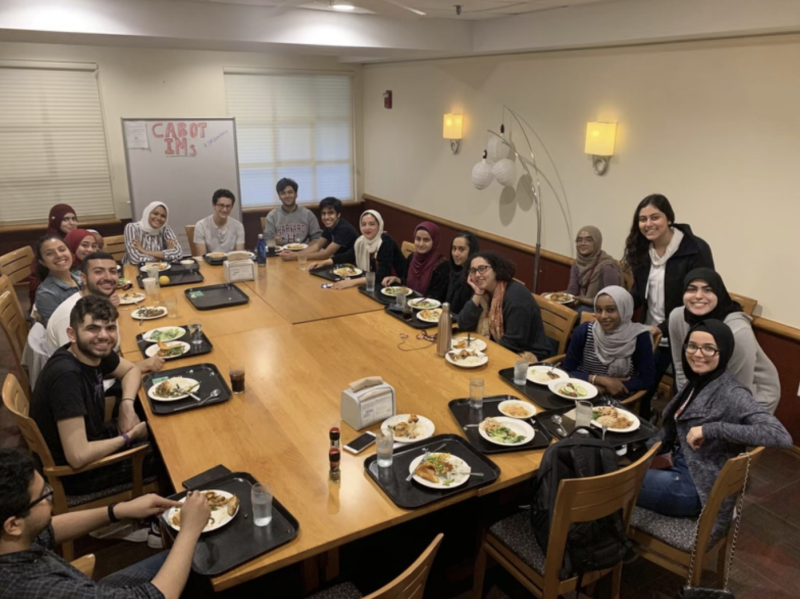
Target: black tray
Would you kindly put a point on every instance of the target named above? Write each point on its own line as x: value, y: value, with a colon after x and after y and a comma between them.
x: 206, y: 374
x: 645, y: 431
x: 327, y: 273
x: 241, y: 540
x: 414, y: 322
x: 539, y: 394
x: 178, y: 274
x: 380, y: 298
x: 216, y: 296
x: 411, y: 495
x: 196, y: 350
x: 465, y: 415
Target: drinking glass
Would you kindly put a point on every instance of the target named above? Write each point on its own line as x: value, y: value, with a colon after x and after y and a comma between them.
x: 171, y: 303
x: 385, y: 442
x: 301, y: 262
x: 236, y: 372
x: 476, y: 393
x: 400, y: 300
x: 152, y: 290
x: 583, y: 413
x: 196, y: 332
x: 370, y: 276
x: 153, y: 272
x: 271, y: 245
x: 261, y: 498
x: 520, y: 372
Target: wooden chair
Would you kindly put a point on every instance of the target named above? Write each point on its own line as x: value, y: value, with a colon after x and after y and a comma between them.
x: 16, y: 265
x: 85, y: 565
x: 578, y: 500
x: 190, y: 237
x: 409, y: 585
x: 668, y: 541
x: 16, y: 331
x: 263, y: 223
x: 748, y: 304
x: 115, y: 245
x: 407, y: 248
x: 558, y: 321
x: 15, y: 400
x: 7, y: 285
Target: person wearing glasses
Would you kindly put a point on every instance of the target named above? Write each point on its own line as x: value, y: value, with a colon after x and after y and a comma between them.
x: 219, y: 232
x: 712, y: 418
x: 502, y: 308
x: 29, y: 567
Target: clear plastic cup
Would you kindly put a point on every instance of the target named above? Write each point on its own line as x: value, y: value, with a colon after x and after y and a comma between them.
x: 261, y: 499
x: 302, y: 262
x: 476, y: 390
x: 171, y: 304
x: 370, y: 276
x: 385, y: 443
x: 520, y: 372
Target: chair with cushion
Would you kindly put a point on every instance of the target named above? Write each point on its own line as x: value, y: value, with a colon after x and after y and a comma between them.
x: 558, y: 321
x: 190, y: 237
x: 115, y: 245
x: 748, y: 304
x: 408, y: 248
x: 512, y: 544
x: 16, y: 401
x: 668, y: 541
x: 409, y: 585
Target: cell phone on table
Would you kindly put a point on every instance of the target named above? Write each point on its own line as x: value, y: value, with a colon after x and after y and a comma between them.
x: 359, y: 444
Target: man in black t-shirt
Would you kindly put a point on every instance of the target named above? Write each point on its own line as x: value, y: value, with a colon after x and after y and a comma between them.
x: 338, y: 236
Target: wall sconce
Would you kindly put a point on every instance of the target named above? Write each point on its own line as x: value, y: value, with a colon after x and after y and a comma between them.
x: 452, y: 130
x: 600, y: 138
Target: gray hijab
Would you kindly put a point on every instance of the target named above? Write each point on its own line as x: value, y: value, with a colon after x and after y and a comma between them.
x: 615, y: 348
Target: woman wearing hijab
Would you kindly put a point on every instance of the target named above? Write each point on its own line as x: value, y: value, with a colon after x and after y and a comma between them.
x: 592, y: 270
x: 613, y: 353
x: 60, y: 222
x: 712, y: 419
x: 463, y: 248
x: 503, y: 309
x: 374, y: 251
x: 151, y: 238
x: 427, y: 271
x: 704, y: 297
x: 81, y: 243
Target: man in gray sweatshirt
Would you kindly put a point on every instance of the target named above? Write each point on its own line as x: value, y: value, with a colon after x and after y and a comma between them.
x: 290, y: 222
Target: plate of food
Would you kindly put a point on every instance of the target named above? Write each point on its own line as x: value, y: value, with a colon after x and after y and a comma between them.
x: 131, y: 297
x: 506, y: 431
x: 162, y: 266
x: 168, y: 351
x: 618, y: 421
x: 466, y: 358
x: 295, y: 247
x: 124, y: 284
x: 440, y: 470
x: 515, y: 408
x: 173, y: 389
x: 149, y: 312
x: 431, y: 316
x: 346, y: 270
x: 469, y: 343
x: 216, y: 256
x: 394, y: 290
x: 408, y: 428
x: 224, y: 507
x: 560, y: 298
x: 424, y: 303
x: 163, y: 334
x: 574, y: 389
x: 542, y: 374
x: 188, y: 262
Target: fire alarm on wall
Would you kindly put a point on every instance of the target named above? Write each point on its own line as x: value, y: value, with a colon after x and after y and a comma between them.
x: 387, y: 99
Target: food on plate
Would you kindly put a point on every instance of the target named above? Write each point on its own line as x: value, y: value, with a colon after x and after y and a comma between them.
x: 431, y: 314
x: 174, y: 387
x: 561, y: 297
x: 395, y: 290
x: 232, y: 505
x: 572, y: 390
x: 611, y: 417
x: 517, y: 410
x: 215, y: 502
x: 131, y: 297
x: 463, y: 344
x: 407, y: 428
x: 425, y: 304
x: 296, y: 246
x: 347, y: 271
x: 500, y: 432
x: 545, y: 376
x: 163, y: 280
x: 217, y: 255
x: 124, y: 284
x: 150, y: 312
x: 159, y: 265
x: 436, y: 468
x: 166, y: 334
x: 170, y: 350
x: 464, y: 354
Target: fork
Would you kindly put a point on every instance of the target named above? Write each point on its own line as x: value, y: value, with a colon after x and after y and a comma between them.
x: 427, y: 453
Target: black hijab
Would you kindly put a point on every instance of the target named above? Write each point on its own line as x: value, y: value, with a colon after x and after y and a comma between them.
x: 725, y: 303
x: 723, y: 338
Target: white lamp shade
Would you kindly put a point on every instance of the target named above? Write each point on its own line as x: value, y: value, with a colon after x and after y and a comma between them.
x: 497, y: 149
x: 505, y: 171
x: 482, y: 175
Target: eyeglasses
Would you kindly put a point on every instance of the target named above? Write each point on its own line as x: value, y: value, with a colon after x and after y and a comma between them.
x: 47, y: 493
x: 709, y: 351
x: 225, y: 206
x: 480, y: 269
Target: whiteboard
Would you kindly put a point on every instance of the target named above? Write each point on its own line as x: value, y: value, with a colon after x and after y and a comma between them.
x: 181, y: 162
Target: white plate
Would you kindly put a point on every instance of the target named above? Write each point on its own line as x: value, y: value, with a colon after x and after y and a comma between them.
x: 147, y: 336
x: 135, y: 313
x: 153, y: 349
x: 636, y: 423
x: 219, y: 516
x: 569, y: 301
x: 504, y: 405
x: 394, y: 290
x: 296, y: 247
x: 474, y: 343
x: 459, y: 465
x: 433, y: 303
x: 432, y: 317
x: 539, y: 370
x: 134, y: 298
x: 216, y: 256
x: 184, y: 382
x: 591, y: 390
x: 472, y: 362
x: 344, y: 271
x: 424, y: 429
x: 187, y: 262
x: 518, y: 426
x: 162, y: 266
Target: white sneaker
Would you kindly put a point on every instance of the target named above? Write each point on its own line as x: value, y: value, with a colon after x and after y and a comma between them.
x: 154, y: 540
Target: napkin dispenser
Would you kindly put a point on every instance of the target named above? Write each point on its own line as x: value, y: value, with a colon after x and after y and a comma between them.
x: 366, y: 402
x: 239, y: 270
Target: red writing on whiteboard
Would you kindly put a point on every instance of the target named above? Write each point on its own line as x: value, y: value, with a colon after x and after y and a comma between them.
x: 176, y: 136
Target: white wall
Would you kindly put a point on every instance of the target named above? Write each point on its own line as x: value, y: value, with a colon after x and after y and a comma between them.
x: 137, y: 82
x: 712, y: 125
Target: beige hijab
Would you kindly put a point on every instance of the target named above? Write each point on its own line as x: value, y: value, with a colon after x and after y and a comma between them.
x: 589, y: 267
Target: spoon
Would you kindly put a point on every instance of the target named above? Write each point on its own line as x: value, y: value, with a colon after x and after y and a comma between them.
x: 469, y: 473
x: 557, y: 420
x: 605, y: 429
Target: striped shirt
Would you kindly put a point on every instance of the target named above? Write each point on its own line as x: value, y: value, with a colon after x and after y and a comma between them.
x: 152, y: 243
x: 590, y: 363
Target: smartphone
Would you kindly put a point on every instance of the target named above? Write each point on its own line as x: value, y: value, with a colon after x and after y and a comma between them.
x: 326, y: 285
x: 359, y: 444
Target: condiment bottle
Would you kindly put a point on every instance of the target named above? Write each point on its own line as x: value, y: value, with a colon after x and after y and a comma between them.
x: 444, y: 336
x: 335, y: 457
x: 335, y: 435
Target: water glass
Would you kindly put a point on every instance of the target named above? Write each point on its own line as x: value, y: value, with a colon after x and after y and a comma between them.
x: 271, y: 245
x: 171, y: 304
x: 520, y: 372
x: 196, y: 332
x: 301, y: 262
x: 236, y: 372
x: 153, y: 272
x: 476, y: 393
x: 261, y: 498
x: 400, y: 299
x: 385, y: 443
x: 583, y: 413
x: 152, y: 290
x: 370, y: 276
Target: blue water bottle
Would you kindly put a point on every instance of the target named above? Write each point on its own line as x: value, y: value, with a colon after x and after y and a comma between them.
x: 261, y: 251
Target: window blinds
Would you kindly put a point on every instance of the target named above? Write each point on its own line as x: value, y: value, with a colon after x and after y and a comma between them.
x: 53, y: 147
x: 293, y: 125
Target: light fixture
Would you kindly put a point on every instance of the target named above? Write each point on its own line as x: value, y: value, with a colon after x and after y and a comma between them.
x: 452, y: 130
x: 482, y: 175
x: 342, y: 5
x: 600, y: 138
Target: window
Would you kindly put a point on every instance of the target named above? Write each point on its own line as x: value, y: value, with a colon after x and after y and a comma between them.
x: 54, y: 147
x: 297, y: 126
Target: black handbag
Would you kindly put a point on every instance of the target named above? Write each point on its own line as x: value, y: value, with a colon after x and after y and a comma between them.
x: 690, y: 592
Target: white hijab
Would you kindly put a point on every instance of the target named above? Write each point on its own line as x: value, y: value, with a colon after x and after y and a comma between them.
x: 365, y: 247
x: 145, y: 222
x: 616, y: 347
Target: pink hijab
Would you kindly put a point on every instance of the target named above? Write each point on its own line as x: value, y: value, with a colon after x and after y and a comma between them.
x: 73, y: 241
x: 423, y: 265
